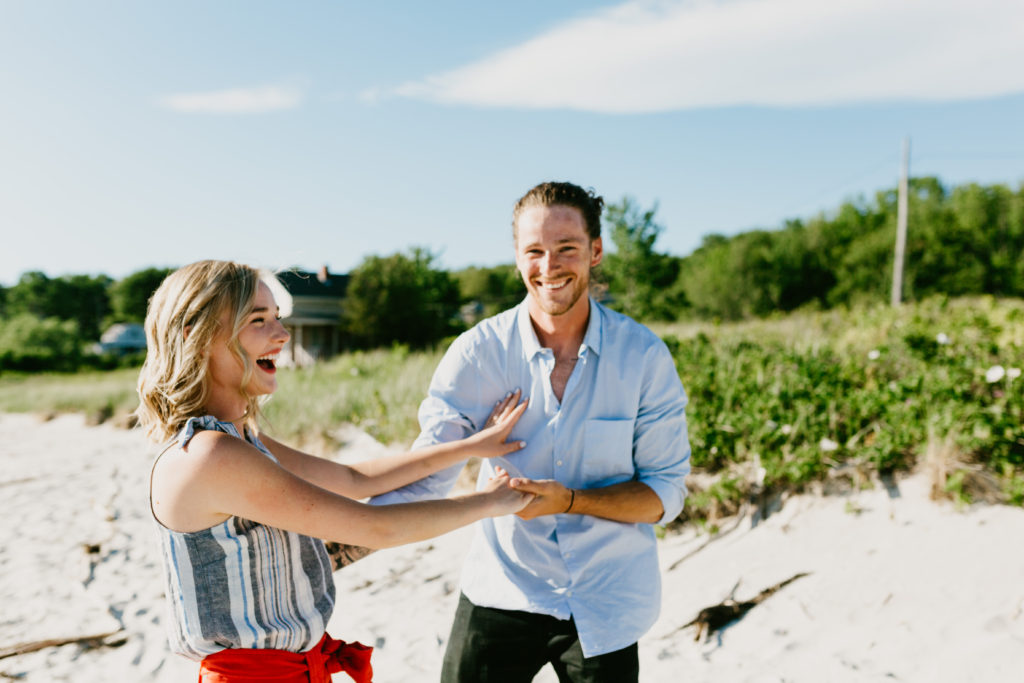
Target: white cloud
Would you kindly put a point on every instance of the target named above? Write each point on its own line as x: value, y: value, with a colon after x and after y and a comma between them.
x: 650, y: 55
x: 255, y: 100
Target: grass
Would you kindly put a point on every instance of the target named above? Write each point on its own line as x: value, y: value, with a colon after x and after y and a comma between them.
x: 98, y: 394
x: 838, y: 397
x: 380, y: 391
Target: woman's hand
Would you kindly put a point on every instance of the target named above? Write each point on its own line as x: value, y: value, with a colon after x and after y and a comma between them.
x: 506, y: 499
x: 490, y: 441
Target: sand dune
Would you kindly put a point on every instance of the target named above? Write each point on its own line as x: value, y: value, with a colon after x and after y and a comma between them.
x: 898, y: 588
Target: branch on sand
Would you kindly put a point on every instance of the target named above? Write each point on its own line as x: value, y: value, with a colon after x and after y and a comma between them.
x: 89, y: 642
x: 716, y: 617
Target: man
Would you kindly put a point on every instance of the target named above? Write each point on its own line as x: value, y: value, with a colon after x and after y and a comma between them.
x: 574, y: 579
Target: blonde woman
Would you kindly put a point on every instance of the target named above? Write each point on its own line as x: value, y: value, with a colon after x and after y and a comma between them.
x: 243, y: 518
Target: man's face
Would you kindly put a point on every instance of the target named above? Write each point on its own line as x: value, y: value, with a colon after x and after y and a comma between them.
x: 554, y: 256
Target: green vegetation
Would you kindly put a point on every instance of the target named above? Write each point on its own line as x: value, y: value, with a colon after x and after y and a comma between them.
x: 494, y: 289
x: 836, y: 397
x: 378, y: 390
x: 129, y: 296
x: 399, y: 299
x: 967, y: 241
x: 641, y: 282
x: 49, y: 324
x: 851, y: 394
x: 812, y: 381
x: 100, y: 395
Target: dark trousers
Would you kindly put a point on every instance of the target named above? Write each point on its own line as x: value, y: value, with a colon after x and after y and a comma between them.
x: 490, y: 645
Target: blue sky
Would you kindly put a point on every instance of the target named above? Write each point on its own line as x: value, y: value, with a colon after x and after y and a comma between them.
x: 299, y: 134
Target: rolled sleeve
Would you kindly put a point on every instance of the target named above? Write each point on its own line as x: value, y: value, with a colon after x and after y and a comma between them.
x: 661, y: 445
x: 454, y: 384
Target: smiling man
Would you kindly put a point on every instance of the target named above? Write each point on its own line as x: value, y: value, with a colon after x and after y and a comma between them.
x: 573, y: 580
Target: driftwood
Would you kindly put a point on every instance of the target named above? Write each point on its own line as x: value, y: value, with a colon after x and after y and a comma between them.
x: 343, y: 554
x: 716, y: 617
x: 90, y: 641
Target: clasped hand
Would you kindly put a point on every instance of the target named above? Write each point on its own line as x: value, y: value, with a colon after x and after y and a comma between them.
x: 549, y: 497
x: 545, y: 496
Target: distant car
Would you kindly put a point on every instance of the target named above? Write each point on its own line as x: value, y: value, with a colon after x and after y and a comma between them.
x: 123, y: 338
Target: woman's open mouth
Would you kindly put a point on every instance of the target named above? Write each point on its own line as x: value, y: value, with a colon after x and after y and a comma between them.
x: 268, y: 363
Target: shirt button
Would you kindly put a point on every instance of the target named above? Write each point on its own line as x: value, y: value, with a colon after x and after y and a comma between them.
x: 559, y: 463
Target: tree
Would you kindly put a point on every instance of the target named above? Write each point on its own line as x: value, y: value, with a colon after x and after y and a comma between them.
x: 400, y: 298
x: 31, y: 343
x: 640, y: 280
x: 707, y: 279
x: 82, y: 298
x: 129, y: 296
x: 496, y: 288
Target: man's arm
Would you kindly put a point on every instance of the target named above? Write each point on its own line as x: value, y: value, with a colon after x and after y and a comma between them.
x: 451, y: 411
x: 631, y: 501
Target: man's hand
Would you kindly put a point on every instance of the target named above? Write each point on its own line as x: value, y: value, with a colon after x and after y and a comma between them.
x: 550, y: 497
x: 631, y: 502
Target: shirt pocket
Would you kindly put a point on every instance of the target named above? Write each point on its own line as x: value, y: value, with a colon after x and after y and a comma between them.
x: 607, y: 451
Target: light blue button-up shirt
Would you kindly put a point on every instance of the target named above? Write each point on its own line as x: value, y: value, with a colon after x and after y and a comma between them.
x: 621, y: 418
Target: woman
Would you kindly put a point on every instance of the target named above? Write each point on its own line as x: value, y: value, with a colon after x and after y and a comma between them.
x: 242, y: 517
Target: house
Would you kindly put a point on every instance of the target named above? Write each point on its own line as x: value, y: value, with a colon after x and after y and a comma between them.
x: 311, y: 304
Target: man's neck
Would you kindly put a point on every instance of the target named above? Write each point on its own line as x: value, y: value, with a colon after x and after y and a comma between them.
x: 564, y: 333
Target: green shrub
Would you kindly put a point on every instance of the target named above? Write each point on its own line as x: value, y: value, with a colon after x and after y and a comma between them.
x: 815, y: 393
x: 28, y: 343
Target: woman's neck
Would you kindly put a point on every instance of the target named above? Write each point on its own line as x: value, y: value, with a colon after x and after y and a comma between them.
x: 231, y: 411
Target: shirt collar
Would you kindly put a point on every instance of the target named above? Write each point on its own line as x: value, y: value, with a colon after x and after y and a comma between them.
x: 531, y: 345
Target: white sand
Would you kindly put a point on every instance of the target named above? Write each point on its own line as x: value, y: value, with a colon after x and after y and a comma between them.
x: 900, y: 588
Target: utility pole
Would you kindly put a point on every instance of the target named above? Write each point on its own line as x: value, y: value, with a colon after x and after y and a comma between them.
x: 901, y: 227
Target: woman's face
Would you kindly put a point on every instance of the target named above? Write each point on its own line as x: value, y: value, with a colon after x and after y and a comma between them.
x: 261, y: 337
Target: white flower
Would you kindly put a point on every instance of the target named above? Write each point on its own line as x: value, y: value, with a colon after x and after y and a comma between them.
x: 787, y: 429
x: 771, y: 424
x: 1012, y: 373
x: 995, y: 373
x: 942, y: 338
x: 827, y: 444
x: 873, y: 354
x: 354, y: 371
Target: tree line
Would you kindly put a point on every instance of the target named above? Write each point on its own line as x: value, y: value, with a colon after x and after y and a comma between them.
x: 965, y: 241
x: 961, y: 241
x: 49, y: 323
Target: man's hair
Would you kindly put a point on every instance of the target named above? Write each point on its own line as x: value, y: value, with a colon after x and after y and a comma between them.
x: 563, y: 194
x: 183, y: 318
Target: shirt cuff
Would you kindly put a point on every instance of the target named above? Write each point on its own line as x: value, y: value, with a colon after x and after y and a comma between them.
x: 671, y: 495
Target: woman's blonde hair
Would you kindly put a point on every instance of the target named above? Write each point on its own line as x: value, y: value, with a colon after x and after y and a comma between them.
x: 183, y: 318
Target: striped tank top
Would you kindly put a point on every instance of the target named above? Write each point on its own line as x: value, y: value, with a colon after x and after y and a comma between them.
x: 241, y: 584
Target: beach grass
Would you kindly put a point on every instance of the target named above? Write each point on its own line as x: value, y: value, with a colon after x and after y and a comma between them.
x: 101, y: 395
x: 379, y: 391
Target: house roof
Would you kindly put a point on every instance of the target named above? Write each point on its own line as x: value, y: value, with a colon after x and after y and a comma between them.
x: 323, y: 283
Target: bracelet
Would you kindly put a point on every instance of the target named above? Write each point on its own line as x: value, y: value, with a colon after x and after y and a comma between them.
x: 572, y: 499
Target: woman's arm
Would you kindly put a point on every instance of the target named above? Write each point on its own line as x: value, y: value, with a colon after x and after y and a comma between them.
x: 219, y: 475
x: 386, y: 473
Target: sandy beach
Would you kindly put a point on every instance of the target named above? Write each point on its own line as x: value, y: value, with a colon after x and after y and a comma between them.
x: 895, y: 587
